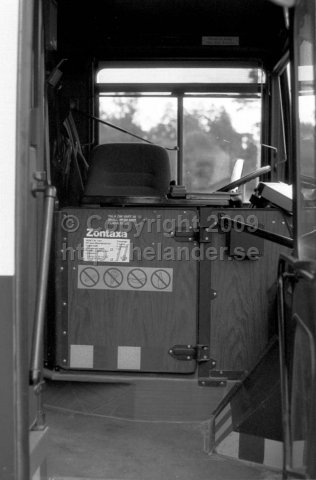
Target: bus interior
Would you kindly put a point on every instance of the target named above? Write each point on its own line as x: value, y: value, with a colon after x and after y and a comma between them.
x: 166, y: 252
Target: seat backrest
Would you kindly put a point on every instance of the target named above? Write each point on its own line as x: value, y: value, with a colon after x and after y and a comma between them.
x: 127, y: 169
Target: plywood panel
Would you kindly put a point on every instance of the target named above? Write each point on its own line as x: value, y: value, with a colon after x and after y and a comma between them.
x: 152, y: 321
x: 243, y: 313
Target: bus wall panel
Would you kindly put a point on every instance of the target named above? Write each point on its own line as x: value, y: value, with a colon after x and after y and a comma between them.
x: 243, y: 313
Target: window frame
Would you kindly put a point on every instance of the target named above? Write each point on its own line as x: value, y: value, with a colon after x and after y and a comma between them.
x: 280, y: 124
x: 298, y: 202
x: 181, y: 91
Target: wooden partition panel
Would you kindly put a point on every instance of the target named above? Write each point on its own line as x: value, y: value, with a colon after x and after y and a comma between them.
x: 124, y: 295
x: 240, y: 294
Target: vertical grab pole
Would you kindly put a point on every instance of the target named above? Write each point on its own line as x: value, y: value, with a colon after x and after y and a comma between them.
x: 38, y: 329
x: 180, y: 139
x: 287, y: 450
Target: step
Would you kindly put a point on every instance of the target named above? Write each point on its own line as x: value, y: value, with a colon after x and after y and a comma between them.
x: 247, y: 423
x: 143, y: 399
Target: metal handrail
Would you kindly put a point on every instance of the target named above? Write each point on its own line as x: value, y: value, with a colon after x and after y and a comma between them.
x: 285, y: 401
x: 38, y: 329
x: 225, y: 222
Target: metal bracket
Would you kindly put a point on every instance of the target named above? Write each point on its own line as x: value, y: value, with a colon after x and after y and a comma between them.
x: 200, y: 353
x: 212, y: 382
x: 40, y: 182
x: 190, y: 235
x: 206, y: 232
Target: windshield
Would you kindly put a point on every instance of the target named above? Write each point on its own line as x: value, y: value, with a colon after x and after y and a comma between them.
x: 215, y: 121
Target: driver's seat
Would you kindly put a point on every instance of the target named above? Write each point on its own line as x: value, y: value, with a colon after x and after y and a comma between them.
x: 127, y: 170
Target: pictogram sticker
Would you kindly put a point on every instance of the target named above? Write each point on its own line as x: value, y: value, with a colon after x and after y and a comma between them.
x: 101, y: 277
x: 160, y: 279
x: 136, y: 278
x: 113, y: 277
x: 89, y: 277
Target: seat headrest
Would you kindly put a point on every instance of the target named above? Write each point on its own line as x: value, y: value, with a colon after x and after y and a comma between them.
x: 128, y: 169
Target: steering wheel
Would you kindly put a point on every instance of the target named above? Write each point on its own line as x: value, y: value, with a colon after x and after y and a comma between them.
x: 245, y: 179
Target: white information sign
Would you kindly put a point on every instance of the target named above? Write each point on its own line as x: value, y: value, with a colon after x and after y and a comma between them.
x: 106, y: 250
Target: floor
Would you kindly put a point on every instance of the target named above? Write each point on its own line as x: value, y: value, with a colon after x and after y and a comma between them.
x: 93, y: 447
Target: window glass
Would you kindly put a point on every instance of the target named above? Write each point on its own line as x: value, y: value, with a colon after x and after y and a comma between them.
x: 305, y: 57
x: 178, y: 75
x: 217, y: 132
x: 152, y: 118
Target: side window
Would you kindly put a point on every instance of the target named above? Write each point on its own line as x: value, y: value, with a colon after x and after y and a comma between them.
x: 212, y: 114
x: 306, y: 141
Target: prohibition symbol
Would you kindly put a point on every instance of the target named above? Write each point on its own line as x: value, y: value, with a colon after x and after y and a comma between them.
x: 113, y: 277
x: 160, y: 279
x: 89, y: 277
x: 137, y: 278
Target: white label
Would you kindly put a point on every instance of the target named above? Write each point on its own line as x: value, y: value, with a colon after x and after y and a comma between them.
x: 128, y: 358
x: 106, y: 250
x: 81, y: 356
x: 118, y: 219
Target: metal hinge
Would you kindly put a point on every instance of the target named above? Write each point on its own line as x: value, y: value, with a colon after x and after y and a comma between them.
x: 200, y: 353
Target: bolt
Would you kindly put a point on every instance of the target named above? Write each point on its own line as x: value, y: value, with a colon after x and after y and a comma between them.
x: 205, y: 356
x: 188, y: 357
x: 61, y: 269
x: 64, y: 304
x: 203, y: 383
x: 206, y: 238
x: 64, y: 360
x: 64, y: 332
